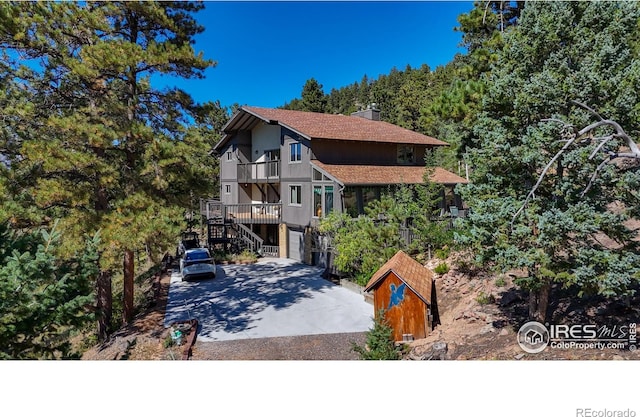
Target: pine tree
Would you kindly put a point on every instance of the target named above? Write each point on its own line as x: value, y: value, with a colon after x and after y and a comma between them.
x: 43, y: 298
x: 313, y: 98
x: 560, y: 52
x: 96, y: 144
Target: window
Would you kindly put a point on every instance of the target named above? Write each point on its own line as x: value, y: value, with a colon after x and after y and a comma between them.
x: 406, y: 154
x: 322, y: 200
x: 328, y: 199
x: 227, y: 189
x: 317, y: 201
x: 229, y: 156
x: 295, y: 195
x: 319, y: 176
x: 295, y: 152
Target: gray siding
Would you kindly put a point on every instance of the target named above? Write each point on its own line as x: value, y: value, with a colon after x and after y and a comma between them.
x: 295, y: 173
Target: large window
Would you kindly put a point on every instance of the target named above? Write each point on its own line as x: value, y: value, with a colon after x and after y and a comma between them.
x: 322, y: 200
x: 295, y: 152
x: 295, y: 195
x: 317, y: 200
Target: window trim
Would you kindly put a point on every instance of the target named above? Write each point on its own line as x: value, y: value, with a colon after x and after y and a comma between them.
x: 323, y: 200
x: 291, y: 154
x: 291, y: 186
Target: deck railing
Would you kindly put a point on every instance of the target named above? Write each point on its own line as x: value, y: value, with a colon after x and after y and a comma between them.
x: 269, y: 250
x: 268, y: 171
x: 249, y: 213
x: 254, y: 213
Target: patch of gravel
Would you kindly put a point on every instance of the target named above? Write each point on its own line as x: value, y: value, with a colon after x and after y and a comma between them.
x: 312, y: 347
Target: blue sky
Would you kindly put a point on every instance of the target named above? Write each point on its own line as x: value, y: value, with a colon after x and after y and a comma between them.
x: 265, y: 51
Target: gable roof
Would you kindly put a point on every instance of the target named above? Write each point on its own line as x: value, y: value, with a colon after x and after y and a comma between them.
x: 383, y: 175
x: 326, y: 126
x: 418, y: 278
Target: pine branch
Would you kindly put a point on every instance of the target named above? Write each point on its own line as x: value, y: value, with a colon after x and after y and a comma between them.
x: 603, y: 140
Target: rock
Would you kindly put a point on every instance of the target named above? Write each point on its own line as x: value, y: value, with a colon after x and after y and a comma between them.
x: 504, y: 332
x: 439, y: 351
x: 519, y: 356
x: 487, y: 329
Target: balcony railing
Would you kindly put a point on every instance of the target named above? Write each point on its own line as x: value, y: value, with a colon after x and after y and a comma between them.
x: 256, y: 213
x: 259, y: 172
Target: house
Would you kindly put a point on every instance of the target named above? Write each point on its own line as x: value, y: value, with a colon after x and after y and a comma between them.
x: 281, y: 171
x: 405, y: 291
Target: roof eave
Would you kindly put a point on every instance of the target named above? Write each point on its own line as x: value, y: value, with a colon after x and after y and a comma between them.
x: 370, y: 286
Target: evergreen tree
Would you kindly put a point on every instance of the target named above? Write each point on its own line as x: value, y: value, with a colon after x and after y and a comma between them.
x: 43, y: 298
x: 96, y: 145
x: 313, y: 98
x: 561, y: 51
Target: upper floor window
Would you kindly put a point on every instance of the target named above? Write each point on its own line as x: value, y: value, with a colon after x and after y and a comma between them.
x: 227, y: 189
x: 295, y: 152
x: 406, y: 154
x: 230, y: 156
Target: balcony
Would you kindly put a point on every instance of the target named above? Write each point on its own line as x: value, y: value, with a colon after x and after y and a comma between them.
x: 259, y: 172
x: 250, y: 213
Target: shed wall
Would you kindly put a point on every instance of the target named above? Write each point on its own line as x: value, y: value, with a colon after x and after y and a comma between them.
x: 409, y: 316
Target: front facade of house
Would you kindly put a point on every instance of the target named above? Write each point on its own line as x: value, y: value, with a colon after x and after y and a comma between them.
x: 283, y: 170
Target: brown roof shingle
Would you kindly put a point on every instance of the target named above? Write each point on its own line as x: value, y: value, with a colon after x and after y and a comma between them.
x: 341, y: 127
x: 382, y: 175
x: 416, y: 276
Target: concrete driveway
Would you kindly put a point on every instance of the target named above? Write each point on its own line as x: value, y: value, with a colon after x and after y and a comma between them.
x: 272, y: 298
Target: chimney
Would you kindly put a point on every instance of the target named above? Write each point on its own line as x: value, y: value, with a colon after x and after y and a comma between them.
x: 370, y: 113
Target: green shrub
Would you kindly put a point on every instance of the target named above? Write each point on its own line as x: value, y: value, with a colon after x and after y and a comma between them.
x: 443, y: 253
x: 168, y: 341
x: 484, y: 299
x: 442, y: 268
x: 500, y: 282
x: 379, y: 344
x: 246, y: 256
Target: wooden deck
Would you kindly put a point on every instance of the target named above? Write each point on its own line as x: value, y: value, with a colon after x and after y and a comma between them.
x: 255, y: 213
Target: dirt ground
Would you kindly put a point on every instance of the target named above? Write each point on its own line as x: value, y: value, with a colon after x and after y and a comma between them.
x: 480, y: 315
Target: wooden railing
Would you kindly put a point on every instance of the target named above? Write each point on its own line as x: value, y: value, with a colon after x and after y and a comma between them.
x: 253, y: 241
x: 254, y: 213
x: 269, y: 250
x: 268, y: 171
x: 250, y: 213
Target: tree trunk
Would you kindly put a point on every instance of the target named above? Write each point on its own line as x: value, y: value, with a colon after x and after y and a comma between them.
x: 128, y: 269
x: 104, y: 303
x: 539, y: 302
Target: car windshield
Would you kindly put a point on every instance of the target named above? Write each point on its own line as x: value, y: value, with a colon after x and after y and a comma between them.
x: 194, y: 256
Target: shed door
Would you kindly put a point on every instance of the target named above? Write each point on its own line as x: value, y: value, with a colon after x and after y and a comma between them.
x: 296, y: 245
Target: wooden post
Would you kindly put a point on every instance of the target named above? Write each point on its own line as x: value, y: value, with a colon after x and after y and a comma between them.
x: 128, y: 267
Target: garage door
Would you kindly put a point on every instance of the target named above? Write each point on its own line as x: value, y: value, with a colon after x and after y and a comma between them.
x: 296, y: 244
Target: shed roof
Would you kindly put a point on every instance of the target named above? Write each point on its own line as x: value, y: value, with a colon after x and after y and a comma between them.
x: 383, y: 175
x: 418, y: 278
x: 327, y: 126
